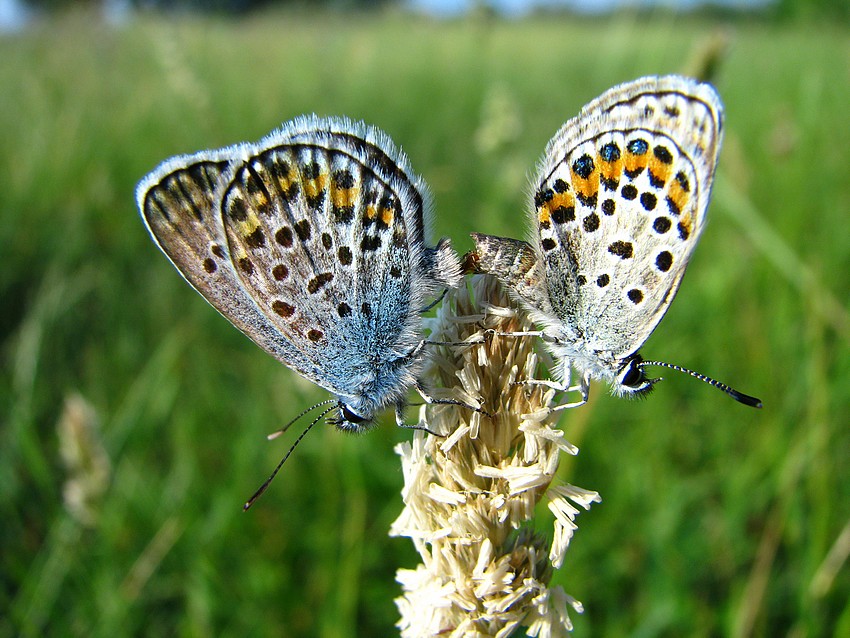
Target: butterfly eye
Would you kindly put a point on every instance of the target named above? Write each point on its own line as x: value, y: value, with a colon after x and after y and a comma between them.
x: 631, y: 378
x: 350, y: 416
x: 632, y: 375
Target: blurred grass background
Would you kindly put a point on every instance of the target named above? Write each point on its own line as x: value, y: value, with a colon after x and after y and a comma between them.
x: 716, y: 519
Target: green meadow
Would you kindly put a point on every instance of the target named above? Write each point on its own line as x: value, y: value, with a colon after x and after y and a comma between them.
x: 716, y: 519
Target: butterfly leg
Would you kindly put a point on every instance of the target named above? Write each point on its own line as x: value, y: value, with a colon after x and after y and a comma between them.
x: 417, y: 349
x: 558, y: 387
x: 430, y: 400
x: 566, y: 372
x: 583, y: 387
x: 564, y: 387
x: 400, y: 422
x: 488, y: 334
x: 400, y: 407
x: 414, y: 353
x: 566, y: 368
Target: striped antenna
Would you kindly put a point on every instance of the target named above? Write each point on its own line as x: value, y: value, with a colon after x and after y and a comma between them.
x: 265, y: 485
x: 740, y: 397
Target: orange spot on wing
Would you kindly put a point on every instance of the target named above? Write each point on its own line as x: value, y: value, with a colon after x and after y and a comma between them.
x: 659, y: 169
x: 678, y: 195
x: 344, y: 197
x: 634, y: 163
x: 387, y: 216
x: 259, y: 201
x: 559, y: 201
x: 284, y: 182
x: 589, y: 186
x: 314, y: 186
x: 610, y: 171
x: 562, y: 200
x: 248, y: 204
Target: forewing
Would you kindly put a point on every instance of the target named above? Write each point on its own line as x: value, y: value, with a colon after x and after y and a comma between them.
x: 326, y: 230
x: 620, y: 201
x: 178, y: 203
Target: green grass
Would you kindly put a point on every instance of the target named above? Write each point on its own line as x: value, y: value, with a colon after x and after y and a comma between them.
x: 716, y: 519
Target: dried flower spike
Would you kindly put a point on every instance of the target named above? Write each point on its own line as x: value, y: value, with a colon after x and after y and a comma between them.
x: 469, y: 494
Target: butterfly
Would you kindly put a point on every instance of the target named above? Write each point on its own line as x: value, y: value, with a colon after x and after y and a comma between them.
x: 620, y: 200
x: 312, y: 242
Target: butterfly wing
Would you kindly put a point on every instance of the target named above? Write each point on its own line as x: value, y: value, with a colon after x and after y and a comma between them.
x: 518, y: 268
x: 620, y: 201
x: 326, y: 227
x: 321, y: 231
x: 178, y: 204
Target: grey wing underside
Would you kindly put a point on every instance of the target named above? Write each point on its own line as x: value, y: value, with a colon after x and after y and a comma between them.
x: 326, y: 224
x: 597, y: 235
x: 178, y: 204
x: 330, y: 266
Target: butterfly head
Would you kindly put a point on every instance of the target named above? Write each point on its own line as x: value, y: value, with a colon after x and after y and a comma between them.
x: 348, y: 419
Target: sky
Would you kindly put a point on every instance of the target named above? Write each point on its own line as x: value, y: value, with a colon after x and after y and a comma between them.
x: 521, y: 7
x: 15, y: 15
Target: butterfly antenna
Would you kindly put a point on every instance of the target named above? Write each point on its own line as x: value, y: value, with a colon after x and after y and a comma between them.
x: 435, y: 302
x: 740, y: 397
x: 276, y: 434
x: 265, y: 485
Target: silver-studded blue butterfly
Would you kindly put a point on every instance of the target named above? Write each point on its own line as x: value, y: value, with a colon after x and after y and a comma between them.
x: 313, y: 243
x: 620, y: 200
